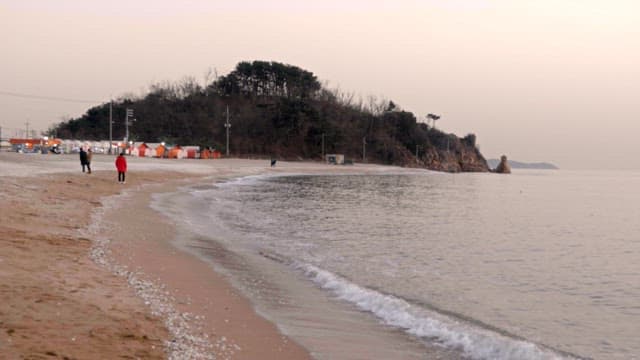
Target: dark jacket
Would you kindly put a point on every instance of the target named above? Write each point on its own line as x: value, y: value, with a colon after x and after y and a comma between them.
x: 83, y: 157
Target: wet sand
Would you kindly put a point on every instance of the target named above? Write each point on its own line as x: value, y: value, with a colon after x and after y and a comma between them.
x: 88, y: 269
x: 64, y: 293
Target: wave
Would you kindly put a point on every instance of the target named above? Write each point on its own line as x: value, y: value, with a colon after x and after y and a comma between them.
x: 475, y: 342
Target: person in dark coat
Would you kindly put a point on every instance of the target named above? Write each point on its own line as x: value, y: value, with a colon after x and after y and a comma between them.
x: 121, y: 166
x: 83, y: 159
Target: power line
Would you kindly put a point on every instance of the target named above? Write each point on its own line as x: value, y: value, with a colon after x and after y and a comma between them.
x: 50, y: 98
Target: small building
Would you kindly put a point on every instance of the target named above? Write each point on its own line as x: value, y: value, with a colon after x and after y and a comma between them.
x: 190, y: 152
x: 335, y: 159
x: 34, y: 144
x: 175, y: 152
x: 160, y: 150
x: 140, y: 149
x: 4, y: 144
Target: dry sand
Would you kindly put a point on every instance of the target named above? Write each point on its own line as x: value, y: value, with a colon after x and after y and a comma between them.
x: 56, y: 302
x: 85, y: 274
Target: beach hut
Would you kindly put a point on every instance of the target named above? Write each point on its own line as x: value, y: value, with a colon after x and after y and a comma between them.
x: 190, y: 152
x: 160, y: 150
x: 174, y: 152
x: 142, y: 149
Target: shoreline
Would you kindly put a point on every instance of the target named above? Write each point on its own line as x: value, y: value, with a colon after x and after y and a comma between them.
x: 204, y: 313
x: 49, y: 200
x: 282, y: 292
x: 55, y: 291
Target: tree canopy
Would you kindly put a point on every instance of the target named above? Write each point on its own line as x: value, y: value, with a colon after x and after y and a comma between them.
x: 278, y: 110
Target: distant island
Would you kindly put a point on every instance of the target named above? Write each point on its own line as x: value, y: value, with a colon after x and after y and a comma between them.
x: 523, y: 165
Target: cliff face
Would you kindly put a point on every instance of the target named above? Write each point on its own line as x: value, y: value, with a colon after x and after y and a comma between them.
x: 459, y: 158
x: 454, y: 154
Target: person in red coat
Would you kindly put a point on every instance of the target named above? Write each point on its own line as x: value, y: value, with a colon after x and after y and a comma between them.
x: 121, y: 165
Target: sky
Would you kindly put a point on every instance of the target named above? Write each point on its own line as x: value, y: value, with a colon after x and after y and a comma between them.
x: 544, y: 80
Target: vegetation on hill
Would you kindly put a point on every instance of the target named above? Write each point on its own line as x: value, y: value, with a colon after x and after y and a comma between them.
x: 278, y: 110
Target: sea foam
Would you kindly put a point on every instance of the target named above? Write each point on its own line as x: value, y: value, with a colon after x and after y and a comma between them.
x: 475, y: 342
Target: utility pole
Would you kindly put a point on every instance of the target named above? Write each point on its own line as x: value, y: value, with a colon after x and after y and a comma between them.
x: 110, y: 125
x: 364, y: 148
x: 128, y: 114
x: 227, y: 125
x: 322, y: 146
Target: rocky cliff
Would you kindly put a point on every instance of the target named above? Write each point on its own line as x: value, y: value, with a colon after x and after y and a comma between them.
x: 458, y: 155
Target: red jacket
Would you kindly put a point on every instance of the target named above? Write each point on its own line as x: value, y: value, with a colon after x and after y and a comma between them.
x: 121, y: 163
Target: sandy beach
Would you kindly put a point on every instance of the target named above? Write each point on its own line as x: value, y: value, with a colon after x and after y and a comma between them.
x: 88, y: 269
x: 66, y: 295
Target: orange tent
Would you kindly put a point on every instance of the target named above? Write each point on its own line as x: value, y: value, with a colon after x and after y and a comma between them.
x: 142, y: 149
x: 174, y: 152
x: 160, y: 151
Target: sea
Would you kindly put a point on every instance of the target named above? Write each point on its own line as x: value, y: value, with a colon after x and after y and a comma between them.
x: 412, y: 264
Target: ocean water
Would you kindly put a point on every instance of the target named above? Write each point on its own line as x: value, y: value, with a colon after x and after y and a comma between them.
x: 417, y: 264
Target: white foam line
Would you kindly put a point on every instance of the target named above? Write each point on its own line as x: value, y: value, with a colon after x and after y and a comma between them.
x: 475, y: 343
x: 185, y: 342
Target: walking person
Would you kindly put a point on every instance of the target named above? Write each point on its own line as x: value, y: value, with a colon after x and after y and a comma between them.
x: 121, y: 165
x: 89, y: 157
x: 83, y: 158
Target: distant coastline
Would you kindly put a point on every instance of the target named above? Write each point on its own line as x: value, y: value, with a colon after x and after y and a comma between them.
x: 523, y: 165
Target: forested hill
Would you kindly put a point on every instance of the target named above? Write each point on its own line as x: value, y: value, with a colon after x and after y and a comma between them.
x: 282, y: 111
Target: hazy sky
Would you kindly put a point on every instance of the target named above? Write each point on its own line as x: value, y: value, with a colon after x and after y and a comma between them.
x: 537, y: 80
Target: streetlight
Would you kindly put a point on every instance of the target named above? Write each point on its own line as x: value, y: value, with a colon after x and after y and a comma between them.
x: 129, y: 114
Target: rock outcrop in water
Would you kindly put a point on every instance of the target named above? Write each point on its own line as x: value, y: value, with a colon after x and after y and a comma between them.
x: 503, y: 167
